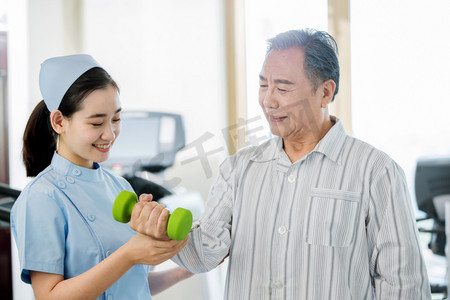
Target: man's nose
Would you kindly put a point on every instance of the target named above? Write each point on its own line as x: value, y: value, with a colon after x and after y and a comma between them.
x: 269, y: 98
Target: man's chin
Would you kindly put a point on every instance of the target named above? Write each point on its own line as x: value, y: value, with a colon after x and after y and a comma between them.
x: 275, y: 130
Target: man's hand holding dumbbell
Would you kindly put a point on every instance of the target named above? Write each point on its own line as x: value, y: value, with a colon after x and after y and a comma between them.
x: 150, y: 218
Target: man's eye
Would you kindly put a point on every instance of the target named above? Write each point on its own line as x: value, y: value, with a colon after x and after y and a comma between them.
x: 96, y: 124
x: 282, y: 90
x: 263, y: 86
x: 116, y: 120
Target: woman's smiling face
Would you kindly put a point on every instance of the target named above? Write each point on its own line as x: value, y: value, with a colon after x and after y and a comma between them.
x: 88, y: 135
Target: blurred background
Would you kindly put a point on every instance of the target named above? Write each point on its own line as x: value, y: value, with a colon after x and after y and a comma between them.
x: 201, y: 59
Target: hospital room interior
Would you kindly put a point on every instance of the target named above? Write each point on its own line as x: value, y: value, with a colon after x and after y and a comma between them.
x: 190, y: 68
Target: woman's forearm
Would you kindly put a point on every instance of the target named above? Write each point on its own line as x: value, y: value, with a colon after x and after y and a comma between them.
x: 88, y: 285
x: 140, y: 249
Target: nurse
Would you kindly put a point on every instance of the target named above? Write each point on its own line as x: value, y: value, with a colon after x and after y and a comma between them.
x: 69, y: 245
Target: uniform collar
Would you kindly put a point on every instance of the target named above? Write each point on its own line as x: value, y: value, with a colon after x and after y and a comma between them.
x: 330, y: 145
x: 67, y: 168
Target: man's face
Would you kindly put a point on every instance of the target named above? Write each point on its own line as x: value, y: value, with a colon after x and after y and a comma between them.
x: 287, y: 96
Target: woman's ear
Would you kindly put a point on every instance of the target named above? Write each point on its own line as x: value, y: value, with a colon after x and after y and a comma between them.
x: 328, y: 88
x: 57, y: 121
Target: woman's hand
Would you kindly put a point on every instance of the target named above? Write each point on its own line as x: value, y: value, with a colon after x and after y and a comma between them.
x: 144, y: 249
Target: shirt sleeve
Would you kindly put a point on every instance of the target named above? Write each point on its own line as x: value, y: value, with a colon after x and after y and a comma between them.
x: 210, y: 237
x: 38, y: 225
x: 397, y: 265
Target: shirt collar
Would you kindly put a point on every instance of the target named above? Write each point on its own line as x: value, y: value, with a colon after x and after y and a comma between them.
x: 269, y: 150
x: 67, y: 168
x: 330, y: 145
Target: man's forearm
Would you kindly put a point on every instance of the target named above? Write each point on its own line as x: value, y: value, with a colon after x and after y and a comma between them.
x: 204, y: 251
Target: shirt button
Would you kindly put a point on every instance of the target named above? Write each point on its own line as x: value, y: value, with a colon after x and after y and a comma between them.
x: 61, y: 184
x: 76, y: 172
x: 291, y: 178
x: 282, y: 230
x: 279, y: 285
x: 110, y: 297
x: 108, y: 253
x: 70, y: 180
x: 91, y: 217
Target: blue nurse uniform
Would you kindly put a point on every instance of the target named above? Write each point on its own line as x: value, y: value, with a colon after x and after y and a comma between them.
x: 62, y: 223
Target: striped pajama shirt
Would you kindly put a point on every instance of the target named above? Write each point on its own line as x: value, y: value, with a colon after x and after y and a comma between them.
x: 336, y: 224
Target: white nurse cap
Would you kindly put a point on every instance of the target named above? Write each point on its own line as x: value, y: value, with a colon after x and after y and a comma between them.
x: 59, y: 73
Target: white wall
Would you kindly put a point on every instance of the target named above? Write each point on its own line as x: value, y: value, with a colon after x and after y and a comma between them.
x: 17, y: 86
x: 36, y: 31
x: 166, y: 56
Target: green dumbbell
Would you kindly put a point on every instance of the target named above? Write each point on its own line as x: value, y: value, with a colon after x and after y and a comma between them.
x: 178, y: 225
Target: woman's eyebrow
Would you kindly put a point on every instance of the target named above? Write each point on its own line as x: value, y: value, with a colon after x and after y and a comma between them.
x: 102, y: 115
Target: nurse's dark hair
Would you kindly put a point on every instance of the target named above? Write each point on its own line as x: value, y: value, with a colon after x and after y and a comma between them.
x: 39, y: 138
x: 321, y: 53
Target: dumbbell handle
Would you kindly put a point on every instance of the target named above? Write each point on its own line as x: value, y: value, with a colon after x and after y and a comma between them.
x: 178, y: 225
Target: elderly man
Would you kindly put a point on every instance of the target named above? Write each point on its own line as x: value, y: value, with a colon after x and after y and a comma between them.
x: 312, y: 213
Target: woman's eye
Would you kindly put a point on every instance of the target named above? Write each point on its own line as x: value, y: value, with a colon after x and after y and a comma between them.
x: 96, y: 124
x: 116, y: 120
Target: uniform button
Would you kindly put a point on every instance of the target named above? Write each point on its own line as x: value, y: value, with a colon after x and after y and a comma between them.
x: 61, y: 184
x: 110, y: 297
x: 70, y: 180
x: 282, y: 230
x: 279, y: 285
x: 108, y: 253
x: 91, y: 217
x: 291, y: 178
x: 76, y: 172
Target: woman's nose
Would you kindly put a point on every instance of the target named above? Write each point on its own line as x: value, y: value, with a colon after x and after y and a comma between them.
x: 109, y: 133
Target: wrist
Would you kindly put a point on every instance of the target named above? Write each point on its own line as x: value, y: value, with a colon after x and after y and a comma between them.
x: 125, y: 253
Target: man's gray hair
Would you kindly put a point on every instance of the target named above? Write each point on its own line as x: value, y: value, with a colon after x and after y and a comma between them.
x: 320, y: 49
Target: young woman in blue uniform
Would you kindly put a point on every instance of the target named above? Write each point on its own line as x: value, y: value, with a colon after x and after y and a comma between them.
x: 70, y: 247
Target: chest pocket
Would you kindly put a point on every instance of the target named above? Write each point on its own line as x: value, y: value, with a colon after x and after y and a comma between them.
x: 331, y: 217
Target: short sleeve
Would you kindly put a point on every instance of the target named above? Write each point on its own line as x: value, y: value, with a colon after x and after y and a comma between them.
x: 39, y: 227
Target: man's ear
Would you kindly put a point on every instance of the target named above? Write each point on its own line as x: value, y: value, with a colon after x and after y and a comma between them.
x: 328, y: 88
x: 57, y: 121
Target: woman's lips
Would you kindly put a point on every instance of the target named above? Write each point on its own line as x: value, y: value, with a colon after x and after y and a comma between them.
x: 102, y: 148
